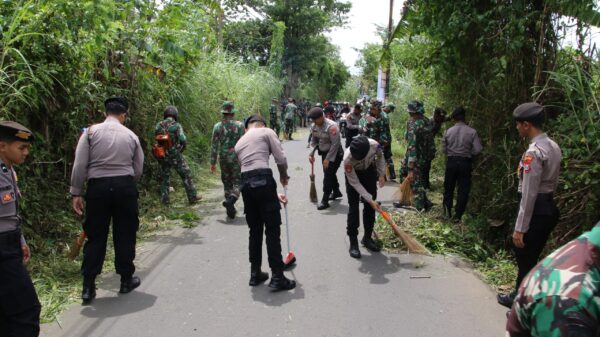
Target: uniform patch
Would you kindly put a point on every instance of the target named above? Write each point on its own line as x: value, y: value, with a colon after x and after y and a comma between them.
x: 333, y: 131
x: 348, y: 168
x: 527, y: 163
x: 8, y: 197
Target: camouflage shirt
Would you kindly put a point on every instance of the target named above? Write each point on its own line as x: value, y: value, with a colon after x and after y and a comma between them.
x: 224, y: 137
x: 416, y: 136
x: 560, y: 296
x: 273, y: 113
x: 171, y: 126
x: 376, y: 128
x: 290, y: 111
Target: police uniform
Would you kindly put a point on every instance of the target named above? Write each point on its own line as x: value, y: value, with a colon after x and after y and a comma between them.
x: 560, y: 296
x: 327, y: 141
x: 19, y: 304
x: 110, y: 158
x: 174, y: 157
x: 460, y: 143
x: 364, y: 162
x: 225, y: 135
x: 261, y: 204
x: 538, y: 172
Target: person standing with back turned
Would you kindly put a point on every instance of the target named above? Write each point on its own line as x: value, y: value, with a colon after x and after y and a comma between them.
x: 110, y: 158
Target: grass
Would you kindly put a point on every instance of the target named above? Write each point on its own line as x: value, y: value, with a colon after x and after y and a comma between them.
x: 58, y: 279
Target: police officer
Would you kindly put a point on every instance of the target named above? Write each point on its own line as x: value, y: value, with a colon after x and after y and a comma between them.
x: 19, y: 304
x: 174, y: 156
x: 352, y: 126
x: 538, y: 172
x: 273, y: 120
x: 326, y: 140
x: 364, y: 165
x: 109, y: 156
x: 225, y: 134
x: 261, y: 201
x: 560, y: 296
x: 460, y: 143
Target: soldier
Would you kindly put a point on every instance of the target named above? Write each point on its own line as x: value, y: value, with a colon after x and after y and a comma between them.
x: 290, y: 115
x: 225, y: 134
x: 352, y: 126
x: 261, y: 201
x: 326, y: 140
x: 376, y: 125
x: 435, y: 123
x: 461, y: 144
x: 273, y: 120
x: 416, y: 154
x: 364, y: 165
x: 109, y: 156
x: 538, y: 173
x: 560, y: 296
x: 387, y: 150
x: 19, y: 304
x: 174, y: 147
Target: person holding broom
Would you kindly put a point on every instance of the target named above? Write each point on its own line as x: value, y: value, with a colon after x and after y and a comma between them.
x: 261, y: 201
x: 364, y: 166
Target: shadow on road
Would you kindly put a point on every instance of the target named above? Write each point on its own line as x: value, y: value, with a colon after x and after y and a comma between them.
x: 238, y: 221
x: 264, y: 294
x: 378, y: 265
x: 119, y: 305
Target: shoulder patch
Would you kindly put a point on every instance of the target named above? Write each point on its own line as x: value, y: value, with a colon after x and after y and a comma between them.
x: 348, y: 168
x: 527, y: 160
x: 8, y: 197
x: 333, y: 130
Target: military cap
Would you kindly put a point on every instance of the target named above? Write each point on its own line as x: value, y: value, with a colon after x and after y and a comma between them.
x: 171, y: 111
x: 391, y: 106
x: 116, y: 104
x: 14, y: 131
x: 376, y: 104
x: 528, y: 111
x: 413, y: 106
x: 359, y: 147
x: 227, y: 104
x: 254, y: 119
x: 315, y: 113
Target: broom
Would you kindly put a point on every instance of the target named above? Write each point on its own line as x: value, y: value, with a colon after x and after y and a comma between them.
x: 313, y: 189
x: 404, y: 193
x: 290, y: 258
x: 76, y: 246
x: 413, y: 245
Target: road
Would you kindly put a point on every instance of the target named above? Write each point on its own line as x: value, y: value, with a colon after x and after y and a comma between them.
x: 195, y: 283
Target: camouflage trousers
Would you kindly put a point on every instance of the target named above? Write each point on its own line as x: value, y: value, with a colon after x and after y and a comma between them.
x: 231, y: 177
x: 289, y: 127
x: 275, y: 126
x: 416, y: 185
x: 182, y: 168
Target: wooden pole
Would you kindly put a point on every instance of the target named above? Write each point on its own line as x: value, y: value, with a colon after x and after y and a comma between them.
x: 387, y: 71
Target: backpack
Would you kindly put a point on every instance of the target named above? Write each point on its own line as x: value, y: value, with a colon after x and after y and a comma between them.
x: 163, y: 142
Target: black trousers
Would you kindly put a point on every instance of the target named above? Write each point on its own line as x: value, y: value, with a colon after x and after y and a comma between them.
x: 368, y: 179
x: 330, y: 180
x: 544, y: 219
x: 458, y: 171
x: 116, y: 199
x: 350, y: 133
x: 262, y: 209
x: 19, y: 304
x: 425, y: 172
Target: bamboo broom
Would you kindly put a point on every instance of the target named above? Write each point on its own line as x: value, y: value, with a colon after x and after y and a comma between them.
x: 411, y: 243
x: 313, y: 189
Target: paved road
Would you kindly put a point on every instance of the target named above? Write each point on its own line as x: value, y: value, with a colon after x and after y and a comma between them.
x: 195, y: 283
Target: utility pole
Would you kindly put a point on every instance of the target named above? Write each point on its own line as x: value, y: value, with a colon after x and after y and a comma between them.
x: 387, y: 70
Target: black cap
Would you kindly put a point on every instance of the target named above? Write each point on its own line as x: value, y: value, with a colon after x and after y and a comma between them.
x: 116, y: 104
x: 315, y: 113
x: 458, y: 113
x: 14, y: 131
x: 253, y: 119
x: 528, y: 112
x: 359, y: 147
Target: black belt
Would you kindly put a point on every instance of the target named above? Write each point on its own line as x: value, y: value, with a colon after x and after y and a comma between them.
x: 256, y: 173
x: 10, y: 238
x: 459, y: 158
x: 110, y: 179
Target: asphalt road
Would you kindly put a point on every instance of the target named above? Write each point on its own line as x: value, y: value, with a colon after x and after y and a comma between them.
x: 195, y: 283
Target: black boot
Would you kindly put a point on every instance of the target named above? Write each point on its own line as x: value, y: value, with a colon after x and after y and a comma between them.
x: 324, y: 204
x: 128, y: 284
x: 257, y: 276
x: 88, y: 293
x: 280, y: 282
x: 368, y: 242
x: 354, y: 251
x: 506, y: 299
x: 229, y: 206
x: 335, y: 194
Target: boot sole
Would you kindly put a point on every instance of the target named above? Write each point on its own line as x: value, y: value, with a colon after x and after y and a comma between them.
x: 275, y: 288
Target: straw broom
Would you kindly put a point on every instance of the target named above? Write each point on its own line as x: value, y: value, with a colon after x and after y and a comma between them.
x: 313, y: 189
x: 76, y: 246
x: 411, y: 243
x: 404, y: 193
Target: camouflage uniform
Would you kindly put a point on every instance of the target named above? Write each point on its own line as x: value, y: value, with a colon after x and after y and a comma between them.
x: 273, y: 123
x: 174, y: 158
x: 290, y: 115
x: 416, y: 152
x: 387, y: 148
x: 224, y: 137
x: 559, y: 297
x: 376, y: 128
x: 429, y: 147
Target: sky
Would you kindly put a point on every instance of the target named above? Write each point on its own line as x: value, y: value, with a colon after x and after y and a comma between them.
x: 361, y: 29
